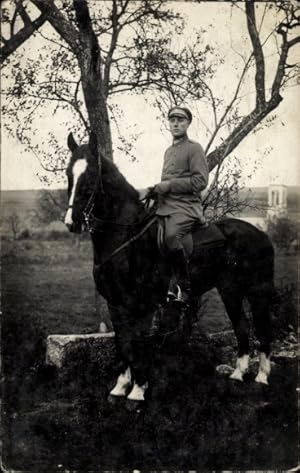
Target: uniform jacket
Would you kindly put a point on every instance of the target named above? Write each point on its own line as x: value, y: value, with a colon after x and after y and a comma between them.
x: 184, y: 176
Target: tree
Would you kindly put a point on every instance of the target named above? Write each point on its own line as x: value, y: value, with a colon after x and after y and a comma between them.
x: 92, y: 49
x: 101, y: 49
x: 230, y: 123
x: 95, y: 58
x: 282, y: 232
x: 224, y: 196
x: 14, y: 222
x: 51, y: 205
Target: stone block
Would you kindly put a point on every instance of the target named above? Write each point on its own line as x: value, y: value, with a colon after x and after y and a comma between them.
x: 56, y: 345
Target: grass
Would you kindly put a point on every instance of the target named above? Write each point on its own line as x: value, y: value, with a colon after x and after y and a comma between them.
x: 56, y: 420
x: 52, y: 279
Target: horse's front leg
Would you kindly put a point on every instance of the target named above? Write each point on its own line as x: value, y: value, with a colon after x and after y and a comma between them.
x: 123, y: 384
x: 141, y: 355
x: 241, y: 367
x: 138, y: 392
x: 132, y: 330
x: 123, y: 344
x: 139, y: 366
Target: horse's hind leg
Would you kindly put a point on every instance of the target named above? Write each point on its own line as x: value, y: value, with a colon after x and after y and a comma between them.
x: 233, y: 302
x: 260, y: 306
x: 123, y: 383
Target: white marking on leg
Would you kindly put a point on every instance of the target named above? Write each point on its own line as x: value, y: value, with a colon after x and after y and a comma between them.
x: 242, y: 365
x: 138, y: 392
x: 78, y: 169
x: 123, y: 382
x: 264, y: 369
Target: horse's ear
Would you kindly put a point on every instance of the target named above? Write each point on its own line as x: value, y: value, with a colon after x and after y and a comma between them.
x: 72, y: 143
x: 93, y: 144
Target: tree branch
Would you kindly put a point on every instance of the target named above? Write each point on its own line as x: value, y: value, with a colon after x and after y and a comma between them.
x: 4, y: 40
x: 263, y: 108
x: 282, y: 63
x: 19, y: 38
x: 229, y: 107
x: 13, y: 22
x: 63, y: 27
x: 258, y: 54
x: 246, y: 125
x: 294, y: 41
x: 23, y: 13
x: 112, y: 47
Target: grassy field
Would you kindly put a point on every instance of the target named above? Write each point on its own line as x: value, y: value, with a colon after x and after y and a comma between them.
x: 194, y: 419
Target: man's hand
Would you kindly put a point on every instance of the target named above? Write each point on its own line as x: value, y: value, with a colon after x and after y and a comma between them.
x: 151, y: 193
x: 154, y: 191
x: 162, y: 188
x: 143, y: 193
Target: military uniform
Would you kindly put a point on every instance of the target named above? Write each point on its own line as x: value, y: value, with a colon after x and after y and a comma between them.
x: 184, y: 176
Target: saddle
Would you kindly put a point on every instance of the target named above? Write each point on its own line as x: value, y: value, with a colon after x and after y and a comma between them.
x: 203, y: 237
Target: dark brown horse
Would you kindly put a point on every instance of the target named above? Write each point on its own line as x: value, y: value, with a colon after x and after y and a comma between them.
x: 133, y: 277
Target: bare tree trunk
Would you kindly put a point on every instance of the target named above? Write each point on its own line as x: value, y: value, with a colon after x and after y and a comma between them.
x: 89, y: 60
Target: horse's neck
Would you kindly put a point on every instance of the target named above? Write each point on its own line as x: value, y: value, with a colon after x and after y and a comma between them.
x: 121, y: 208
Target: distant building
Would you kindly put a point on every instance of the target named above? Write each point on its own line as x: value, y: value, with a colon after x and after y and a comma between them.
x: 277, y: 201
x: 276, y: 207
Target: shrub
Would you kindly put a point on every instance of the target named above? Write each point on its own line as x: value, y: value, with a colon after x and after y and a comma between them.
x: 24, y: 235
x: 282, y: 232
x: 284, y: 311
x: 45, y: 235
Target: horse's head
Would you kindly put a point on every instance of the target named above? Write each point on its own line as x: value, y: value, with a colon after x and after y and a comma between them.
x: 101, y: 193
x: 83, y: 175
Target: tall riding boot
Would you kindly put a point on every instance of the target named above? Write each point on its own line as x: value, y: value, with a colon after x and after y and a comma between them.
x: 181, y: 271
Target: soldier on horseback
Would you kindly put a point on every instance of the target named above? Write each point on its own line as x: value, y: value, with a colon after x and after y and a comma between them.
x: 184, y: 176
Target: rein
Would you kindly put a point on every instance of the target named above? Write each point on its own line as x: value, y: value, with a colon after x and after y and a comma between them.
x: 87, y: 212
x: 127, y: 243
x: 96, y: 224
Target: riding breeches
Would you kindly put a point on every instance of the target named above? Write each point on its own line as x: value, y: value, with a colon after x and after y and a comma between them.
x: 176, y: 227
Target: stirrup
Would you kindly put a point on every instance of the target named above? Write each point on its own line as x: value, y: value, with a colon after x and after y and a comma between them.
x: 171, y: 296
x: 177, y: 297
x: 181, y: 297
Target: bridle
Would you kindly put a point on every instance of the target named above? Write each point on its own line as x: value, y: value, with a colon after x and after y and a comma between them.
x: 98, y: 225
x: 88, y: 209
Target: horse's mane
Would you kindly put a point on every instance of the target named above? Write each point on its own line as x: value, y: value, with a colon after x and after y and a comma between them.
x: 116, y: 180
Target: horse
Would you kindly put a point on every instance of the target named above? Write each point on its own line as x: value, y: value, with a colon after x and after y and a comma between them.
x: 132, y: 275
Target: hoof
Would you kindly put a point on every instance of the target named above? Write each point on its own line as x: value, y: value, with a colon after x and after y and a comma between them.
x: 134, y: 406
x: 113, y: 400
x: 262, y: 379
x: 237, y: 377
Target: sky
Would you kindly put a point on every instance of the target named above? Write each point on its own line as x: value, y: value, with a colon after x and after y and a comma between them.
x: 276, y: 149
